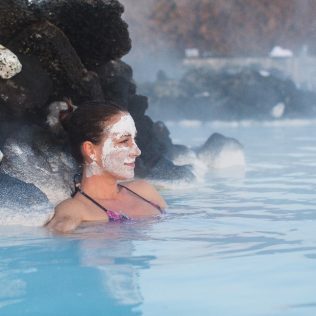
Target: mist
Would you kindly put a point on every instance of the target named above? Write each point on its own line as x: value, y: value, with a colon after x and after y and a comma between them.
x: 220, y: 60
x: 151, y: 51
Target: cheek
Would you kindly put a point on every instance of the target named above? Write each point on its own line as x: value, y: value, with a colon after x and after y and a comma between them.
x: 118, y: 155
x: 114, y: 157
x: 115, y: 163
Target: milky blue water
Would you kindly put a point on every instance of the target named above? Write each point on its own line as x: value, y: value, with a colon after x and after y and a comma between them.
x: 233, y: 243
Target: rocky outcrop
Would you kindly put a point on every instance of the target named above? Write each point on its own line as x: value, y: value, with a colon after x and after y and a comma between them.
x: 25, y: 95
x: 22, y: 202
x: 94, y: 28
x: 15, y: 16
x: 247, y: 93
x: 117, y: 82
x: 32, y: 155
x: 60, y: 60
x: 18, y: 194
x: 220, y: 152
x: 9, y: 63
x: 68, y: 49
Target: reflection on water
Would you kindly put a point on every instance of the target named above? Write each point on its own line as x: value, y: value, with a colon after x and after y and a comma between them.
x: 117, y: 266
x: 93, y: 269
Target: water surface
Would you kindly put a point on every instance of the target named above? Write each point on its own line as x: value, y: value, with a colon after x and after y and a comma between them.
x: 232, y: 243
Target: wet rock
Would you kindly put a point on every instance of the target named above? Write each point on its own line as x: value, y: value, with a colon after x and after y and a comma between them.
x: 68, y: 48
x: 179, y: 150
x: 152, y: 150
x: 22, y: 203
x: 158, y: 151
x: 31, y: 155
x: 137, y: 106
x: 163, y: 137
x: 117, y: 81
x: 220, y: 152
x: 165, y: 169
x: 15, y: 16
x: 60, y: 60
x: 26, y: 94
x: 18, y: 194
x: 9, y: 63
x: 94, y: 28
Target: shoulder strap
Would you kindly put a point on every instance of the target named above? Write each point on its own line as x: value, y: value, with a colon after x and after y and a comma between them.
x: 92, y: 200
x: 141, y: 197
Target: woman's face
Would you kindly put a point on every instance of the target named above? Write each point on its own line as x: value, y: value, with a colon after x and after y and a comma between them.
x: 117, y: 151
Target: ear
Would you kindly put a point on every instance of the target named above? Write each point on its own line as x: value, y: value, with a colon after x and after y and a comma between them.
x: 88, y: 151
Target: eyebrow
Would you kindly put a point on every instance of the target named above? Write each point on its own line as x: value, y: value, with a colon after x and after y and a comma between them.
x: 128, y: 134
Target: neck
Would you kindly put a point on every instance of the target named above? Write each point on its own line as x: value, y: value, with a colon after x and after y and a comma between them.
x: 100, y: 186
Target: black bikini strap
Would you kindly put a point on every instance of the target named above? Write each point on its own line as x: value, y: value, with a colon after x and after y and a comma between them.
x: 92, y: 200
x: 150, y: 202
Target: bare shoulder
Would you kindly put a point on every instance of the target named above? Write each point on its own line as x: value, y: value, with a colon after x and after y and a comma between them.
x: 69, y: 207
x: 146, y: 190
x: 68, y: 216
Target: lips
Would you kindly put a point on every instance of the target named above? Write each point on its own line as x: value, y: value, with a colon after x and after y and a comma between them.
x: 130, y: 164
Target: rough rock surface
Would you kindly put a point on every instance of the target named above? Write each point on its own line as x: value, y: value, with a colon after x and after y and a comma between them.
x: 32, y: 156
x: 57, y: 56
x: 15, y: 16
x: 15, y: 193
x: 94, y: 28
x: 9, y: 63
x: 26, y: 94
x: 22, y: 203
x: 117, y: 81
x: 69, y: 48
x: 221, y: 152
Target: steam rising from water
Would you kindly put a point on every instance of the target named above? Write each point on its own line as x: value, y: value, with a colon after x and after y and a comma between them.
x: 198, y: 131
x: 146, y: 62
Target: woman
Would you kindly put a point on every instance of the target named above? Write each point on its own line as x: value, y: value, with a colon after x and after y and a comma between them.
x: 103, y: 140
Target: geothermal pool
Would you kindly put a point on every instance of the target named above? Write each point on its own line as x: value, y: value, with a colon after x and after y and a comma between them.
x: 235, y: 242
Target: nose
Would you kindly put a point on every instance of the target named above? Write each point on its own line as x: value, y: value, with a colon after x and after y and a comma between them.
x: 135, y: 150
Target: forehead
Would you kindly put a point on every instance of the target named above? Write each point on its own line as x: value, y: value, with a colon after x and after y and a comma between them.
x: 120, y: 124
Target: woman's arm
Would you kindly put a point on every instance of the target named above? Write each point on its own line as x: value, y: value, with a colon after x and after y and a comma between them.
x: 65, y: 219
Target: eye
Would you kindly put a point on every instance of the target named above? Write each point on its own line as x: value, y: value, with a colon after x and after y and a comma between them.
x: 124, y: 141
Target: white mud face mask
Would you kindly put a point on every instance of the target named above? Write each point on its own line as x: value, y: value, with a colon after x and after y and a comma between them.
x: 119, y: 150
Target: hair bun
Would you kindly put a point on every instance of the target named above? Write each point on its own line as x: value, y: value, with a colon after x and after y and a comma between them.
x: 65, y: 113
x: 59, y: 114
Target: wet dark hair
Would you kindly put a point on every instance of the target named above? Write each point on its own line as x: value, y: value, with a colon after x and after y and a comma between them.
x: 87, y: 123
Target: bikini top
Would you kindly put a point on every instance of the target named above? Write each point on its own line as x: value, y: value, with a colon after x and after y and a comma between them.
x: 115, y: 215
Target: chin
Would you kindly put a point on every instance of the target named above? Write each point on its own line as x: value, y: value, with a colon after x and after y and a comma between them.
x: 125, y: 176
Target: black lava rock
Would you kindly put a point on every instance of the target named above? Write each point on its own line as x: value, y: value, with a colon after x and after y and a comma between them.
x: 94, y: 27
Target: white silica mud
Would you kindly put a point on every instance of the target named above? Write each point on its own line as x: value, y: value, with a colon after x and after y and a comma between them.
x: 92, y: 168
x: 9, y: 63
x: 119, y: 149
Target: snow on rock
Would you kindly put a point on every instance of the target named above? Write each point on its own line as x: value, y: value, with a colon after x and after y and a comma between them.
x: 278, y: 110
x: 264, y: 73
x: 1, y: 155
x: 280, y: 52
x: 9, y: 63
